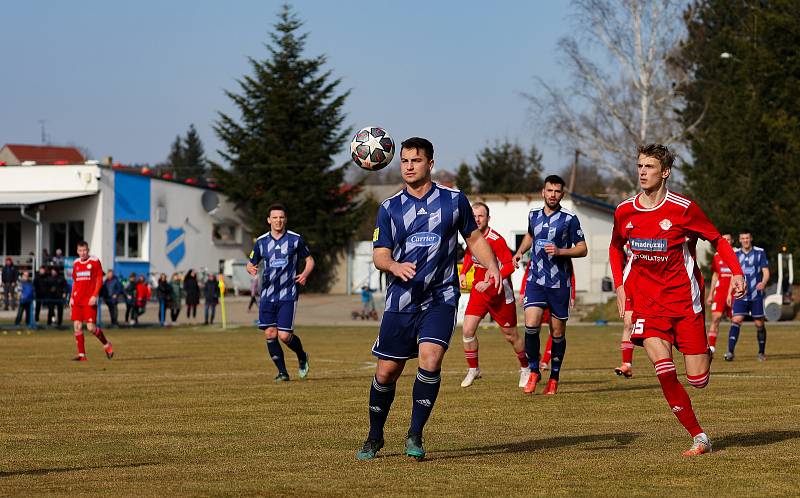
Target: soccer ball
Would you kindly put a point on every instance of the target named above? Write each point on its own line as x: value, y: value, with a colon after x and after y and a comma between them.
x: 372, y: 148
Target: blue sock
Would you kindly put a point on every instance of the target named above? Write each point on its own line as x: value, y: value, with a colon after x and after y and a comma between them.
x: 733, y: 336
x: 557, y: 355
x: 532, y: 347
x: 276, y: 353
x: 761, y: 336
x: 426, y: 388
x: 295, y: 345
x: 380, y: 402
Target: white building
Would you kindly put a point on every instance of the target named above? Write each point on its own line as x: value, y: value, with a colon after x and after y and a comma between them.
x: 132, y: 222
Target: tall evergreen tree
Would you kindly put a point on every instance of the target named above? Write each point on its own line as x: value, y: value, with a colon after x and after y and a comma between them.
x: 746, y: 149
x: 281, y: 148
x: 464, y: 178
x: 175, y: 161
x: 505, y: 168
x: 194, y: 156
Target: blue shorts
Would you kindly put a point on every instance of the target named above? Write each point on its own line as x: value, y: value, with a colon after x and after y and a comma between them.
x: 754, y: 308
x: 401, y: 333
x: 557, y: 299
x: 278, y: 314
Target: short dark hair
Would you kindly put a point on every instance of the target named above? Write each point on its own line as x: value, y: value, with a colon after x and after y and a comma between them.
x: 481, y: 204
x: 658, y: 151
x: 746, y: 230
x: 82, y: 243
x: 276, y: 207
x: 554, y: 180
x: 419, y: 144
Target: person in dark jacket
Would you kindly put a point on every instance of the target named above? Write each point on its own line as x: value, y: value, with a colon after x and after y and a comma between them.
x: 164, y: 295
x: 111, y: 292
x: 40, y: 293
x: 26, y: 297
x: 177, y: 296
x: 211, y: 291
x: 9, y: 277
x: 129, y: 288
x: 56, y: 296
x: 192, y: 290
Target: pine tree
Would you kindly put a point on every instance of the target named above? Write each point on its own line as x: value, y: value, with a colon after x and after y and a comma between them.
x: 506, y: 168
x: 175, y: 161
x: 464, y: 178
x: 281, y: 148
x: 194, y: 159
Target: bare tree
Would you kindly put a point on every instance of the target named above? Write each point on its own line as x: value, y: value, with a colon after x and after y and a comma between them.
x: 624, y: 87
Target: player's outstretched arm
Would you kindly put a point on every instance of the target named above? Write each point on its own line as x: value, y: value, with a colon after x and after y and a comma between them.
x: 482, y: 253
x: 382, y: 257
x: 301, y: 279
x: 524, y: 246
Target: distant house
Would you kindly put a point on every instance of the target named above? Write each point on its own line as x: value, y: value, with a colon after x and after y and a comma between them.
x: 16, y: 154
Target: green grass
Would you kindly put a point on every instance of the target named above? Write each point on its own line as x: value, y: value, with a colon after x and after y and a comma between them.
x: 195, y: 412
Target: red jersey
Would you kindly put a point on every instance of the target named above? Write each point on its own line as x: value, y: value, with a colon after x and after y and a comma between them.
x: 87, y: 278
x: 662, y: 273
x: 504, y: 261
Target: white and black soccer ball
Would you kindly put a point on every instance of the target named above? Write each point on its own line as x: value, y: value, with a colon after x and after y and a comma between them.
x: 372, y: 148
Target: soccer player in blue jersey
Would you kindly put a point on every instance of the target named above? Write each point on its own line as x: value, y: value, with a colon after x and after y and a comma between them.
x: 753, y: 261
x: 415, y: 242
x: 556, y: 237
x: 281, y: 250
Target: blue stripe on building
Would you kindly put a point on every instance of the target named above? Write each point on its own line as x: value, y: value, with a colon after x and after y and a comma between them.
x: 131, y: 203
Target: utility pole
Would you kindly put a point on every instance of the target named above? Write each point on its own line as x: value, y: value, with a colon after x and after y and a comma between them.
x: 574, y: 173
x: 43, y: 132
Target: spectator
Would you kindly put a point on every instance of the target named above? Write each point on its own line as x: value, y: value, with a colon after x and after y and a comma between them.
x: 164, y: 295
x: 58, y: 259
x: 9, y: 277
x: 253, y: 293
x: 367, y: 301
x: 142, y: 296
x: 111, y: 292
x: 177, y: 296
x: 40, y: 291
x: 130, y: 299
x: 212, y: 298
x: 56, y: 296
x: 25, y: 299
x: 192, y: 292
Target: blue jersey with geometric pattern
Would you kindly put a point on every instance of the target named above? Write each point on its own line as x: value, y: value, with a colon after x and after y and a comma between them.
x: 752, y: 263
x: 424, y: 232
x: 561, y: 228
x: 281, y: 258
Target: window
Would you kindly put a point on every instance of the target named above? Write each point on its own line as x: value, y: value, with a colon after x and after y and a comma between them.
x: 11, y: 238
x: 65, y: 236
x: 518, y: 240
x: 128, y: 241
x: 225, y: 233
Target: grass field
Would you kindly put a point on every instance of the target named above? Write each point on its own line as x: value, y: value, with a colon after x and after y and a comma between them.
x: 195, y: 412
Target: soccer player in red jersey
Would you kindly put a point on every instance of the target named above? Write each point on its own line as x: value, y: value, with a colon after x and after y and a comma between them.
x: 662, y: 228
x: 500, y: 307
x: 87, y: 278
x: 718, y: 298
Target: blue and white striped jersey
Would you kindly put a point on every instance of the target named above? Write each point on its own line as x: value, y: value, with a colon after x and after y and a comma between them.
x: 281, y: 257
x: 424, y: 232
x: 752, y: 263
x: 561, y: 228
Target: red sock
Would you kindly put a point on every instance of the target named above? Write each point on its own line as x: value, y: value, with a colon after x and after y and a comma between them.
x: 98, y: 332
x: 472, y: 358
x: 627, y: 352
x: 547, y: 350
x: 79, y: 342
x: 676, y: 396
x: 712, y: 339
x: 523, y: 359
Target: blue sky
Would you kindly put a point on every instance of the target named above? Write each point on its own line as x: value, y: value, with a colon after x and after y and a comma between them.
x: 124, y: 78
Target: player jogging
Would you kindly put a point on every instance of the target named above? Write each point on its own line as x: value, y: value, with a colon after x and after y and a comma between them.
x: 662, y: 228
x: 415, y: 242
x: 483, y: 299
x: 718, y: 299
x: 87, y: 279
x: 554, y: 237
x: 281, y: 250
x: 753, y: 261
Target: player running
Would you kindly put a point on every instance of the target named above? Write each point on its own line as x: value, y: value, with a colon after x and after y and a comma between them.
x: 753, y: 261
x: 483, y: 299
x: 662, y: 228
x: 87, y: 279
x: 718, y: 299
x: 281, y: 250
x: 556, y: 237
x: 415, y: 242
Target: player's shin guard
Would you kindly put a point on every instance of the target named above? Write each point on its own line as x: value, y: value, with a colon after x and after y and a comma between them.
x: 761, y: 336
x: 559, y: 348
x: 276, y: 353
x: 532, y: 347
x: 381, y: 397
x: 426, y: 389
x: 733, y: 336
x: 79, y: 343
x: 676, y: 396
x: 699, y: 381
x: 471, y: 355
x: 295, y: 345
x: 627, y: 352
x: 98, y: 332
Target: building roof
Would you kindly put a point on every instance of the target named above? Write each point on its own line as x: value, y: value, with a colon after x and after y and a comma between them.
x: 535, y: 196
x: 45, y: 154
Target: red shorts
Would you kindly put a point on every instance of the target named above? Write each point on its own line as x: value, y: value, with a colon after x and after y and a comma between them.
x: 718, y: 302
x: 84, y: 313
x: 687, y: 334
x: 505, y: 314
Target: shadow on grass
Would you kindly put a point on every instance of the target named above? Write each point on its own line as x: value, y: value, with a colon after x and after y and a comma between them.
x: 54, y: 470
x: 614, y: 440
x: 760, y: 438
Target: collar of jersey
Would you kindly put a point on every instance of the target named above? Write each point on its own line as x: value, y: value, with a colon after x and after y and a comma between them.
x: 551, y: 214
x: 285, y: 232
x: 433, y: 187
x: 639, y: 208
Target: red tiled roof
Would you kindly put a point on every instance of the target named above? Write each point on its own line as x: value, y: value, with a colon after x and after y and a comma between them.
x: 46, y: 154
